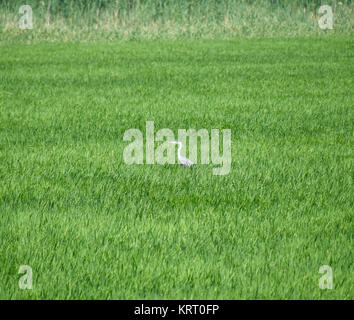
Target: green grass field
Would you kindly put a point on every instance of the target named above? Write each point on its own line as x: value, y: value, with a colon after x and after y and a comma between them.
x: 91, y: 226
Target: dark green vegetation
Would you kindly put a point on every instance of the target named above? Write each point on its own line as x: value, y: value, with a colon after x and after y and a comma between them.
x: 92, y: 227
x: 92, y: 20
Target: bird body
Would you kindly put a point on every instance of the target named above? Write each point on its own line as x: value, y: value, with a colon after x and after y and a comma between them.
x: 182, y: 160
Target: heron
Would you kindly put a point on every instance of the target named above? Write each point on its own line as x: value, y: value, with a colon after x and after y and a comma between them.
x: 182, y: 160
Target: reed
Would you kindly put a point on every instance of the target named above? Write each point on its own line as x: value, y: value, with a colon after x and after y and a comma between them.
x: 86, y: 20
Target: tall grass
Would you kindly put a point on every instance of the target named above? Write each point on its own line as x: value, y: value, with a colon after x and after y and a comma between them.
x: 82, y: 20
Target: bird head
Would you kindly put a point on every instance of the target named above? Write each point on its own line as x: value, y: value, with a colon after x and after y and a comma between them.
x: 176, y: 142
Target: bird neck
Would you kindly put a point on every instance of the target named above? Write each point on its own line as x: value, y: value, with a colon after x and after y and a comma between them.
x: 179, y: 149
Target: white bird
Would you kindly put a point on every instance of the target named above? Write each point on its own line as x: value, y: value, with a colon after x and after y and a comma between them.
x: 182, y: 160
